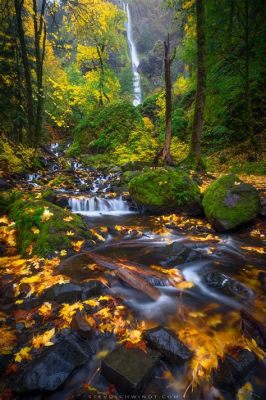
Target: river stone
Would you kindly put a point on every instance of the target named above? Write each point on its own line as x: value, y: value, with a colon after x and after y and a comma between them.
x: 80, y: 325
x: 232, y: 371
x: 229, y: 286
x: 53, y: 367
x: 91, y: 288
x: 63, y: 293
x: 129, y: 369
x: 166, y: 342
x: 230, y: 203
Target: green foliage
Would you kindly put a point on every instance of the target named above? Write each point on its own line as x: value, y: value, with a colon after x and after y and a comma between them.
x: 108, y: 127
x: 229, y: 203
x: 15, y: 157
x: 27, y: 215
x: 163, y: 189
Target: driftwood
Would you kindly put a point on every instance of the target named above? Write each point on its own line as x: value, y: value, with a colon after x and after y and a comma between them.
x: 130, y: 273
x: 134, y: 280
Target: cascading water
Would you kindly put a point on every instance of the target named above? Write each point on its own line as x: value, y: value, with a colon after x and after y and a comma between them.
x: 97, y: 206
x: 134, y: 58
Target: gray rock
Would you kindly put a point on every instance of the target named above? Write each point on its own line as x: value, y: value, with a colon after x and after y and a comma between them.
x: 53, y: 367
x: 165, y: 341
x: 129, y: 370
x: 65, y: 293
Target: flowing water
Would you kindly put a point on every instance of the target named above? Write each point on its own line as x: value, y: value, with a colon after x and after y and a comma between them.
x: 134, y: 58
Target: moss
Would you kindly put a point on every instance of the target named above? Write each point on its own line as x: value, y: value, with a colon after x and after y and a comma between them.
x: 229, y: 203
x: 51, y: 235
x: 163, y: 189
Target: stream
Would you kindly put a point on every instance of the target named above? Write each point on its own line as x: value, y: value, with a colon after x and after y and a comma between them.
x: 171, y: 272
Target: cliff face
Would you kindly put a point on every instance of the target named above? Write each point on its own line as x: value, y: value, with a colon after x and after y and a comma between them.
x: 151, y: 24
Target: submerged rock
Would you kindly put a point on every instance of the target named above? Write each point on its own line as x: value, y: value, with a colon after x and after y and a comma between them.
x: 166, y: 342
x: 230, y: 203
x: 53, y: 367
x: 76, y: 267
x: 129, y: 369
x: 232, y: 371
x: 229, y: 286
x: 163, y: 190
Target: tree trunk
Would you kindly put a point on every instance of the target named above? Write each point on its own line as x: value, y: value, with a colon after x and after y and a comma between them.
x: 27, y: 70
x: 195, y: 148
x: 249, y: 122
x: 39, y: 42
x: 165, y: 154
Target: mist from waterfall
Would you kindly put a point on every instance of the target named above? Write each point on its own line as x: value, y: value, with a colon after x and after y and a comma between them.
x: 134, y: 58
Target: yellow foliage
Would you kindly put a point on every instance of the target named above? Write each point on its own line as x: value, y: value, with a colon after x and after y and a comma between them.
x: 43, y: 339
x: 181, y: 85
x: 148, y: 123
x: 23, y: 354
x: 7, y: 340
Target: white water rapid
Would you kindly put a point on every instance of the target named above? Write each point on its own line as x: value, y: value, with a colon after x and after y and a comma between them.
x: 134, y: 58
x: 97, y: 206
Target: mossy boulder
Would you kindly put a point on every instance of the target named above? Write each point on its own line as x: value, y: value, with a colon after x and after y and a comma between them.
x: 230, y: 203
x: 45, y: 228
x: 163, y: 190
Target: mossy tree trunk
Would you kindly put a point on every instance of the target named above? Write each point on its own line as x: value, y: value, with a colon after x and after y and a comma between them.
x: 165, y: 154
x: 195, y: 147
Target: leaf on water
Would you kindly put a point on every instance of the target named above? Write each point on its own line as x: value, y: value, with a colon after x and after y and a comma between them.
x: 23, y: 354
x: 43, y: 339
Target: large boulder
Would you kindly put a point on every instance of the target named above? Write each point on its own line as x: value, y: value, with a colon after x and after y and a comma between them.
x: 44, y: 228
x: 161, y: 190
x: 230, y: 203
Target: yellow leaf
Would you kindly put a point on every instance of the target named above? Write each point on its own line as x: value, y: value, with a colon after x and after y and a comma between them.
x: 68, y: 219
x: 23, y: 354
x: 43, y: 339
x: 70, y: 233
x: 36, y: 231
x: 77, y: 245
x: 45, y: 309
x: 46, y: 215
x: 63, y: 253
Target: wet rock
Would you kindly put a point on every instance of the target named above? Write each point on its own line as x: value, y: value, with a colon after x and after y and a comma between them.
x: 54, y: 366
x: 129, y: 369
x: 165, y: 341
x: 262, y: 279
x: 80, y: 325
x: 252, y: 328
x: 176, y: 253
x: 229, y: 286
x: 66, y: 293
x: 91, y: 288
x: 232, y: 371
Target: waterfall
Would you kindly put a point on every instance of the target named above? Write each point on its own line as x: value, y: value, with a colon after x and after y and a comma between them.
x: 134, y: 58
x: 97, y: 206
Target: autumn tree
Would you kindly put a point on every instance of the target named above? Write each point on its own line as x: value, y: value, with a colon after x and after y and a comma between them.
x: 98, y: 25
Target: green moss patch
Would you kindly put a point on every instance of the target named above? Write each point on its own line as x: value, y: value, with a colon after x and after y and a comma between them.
x: 229, y: 203
x: 164, y: 190
x: 45, y: 235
